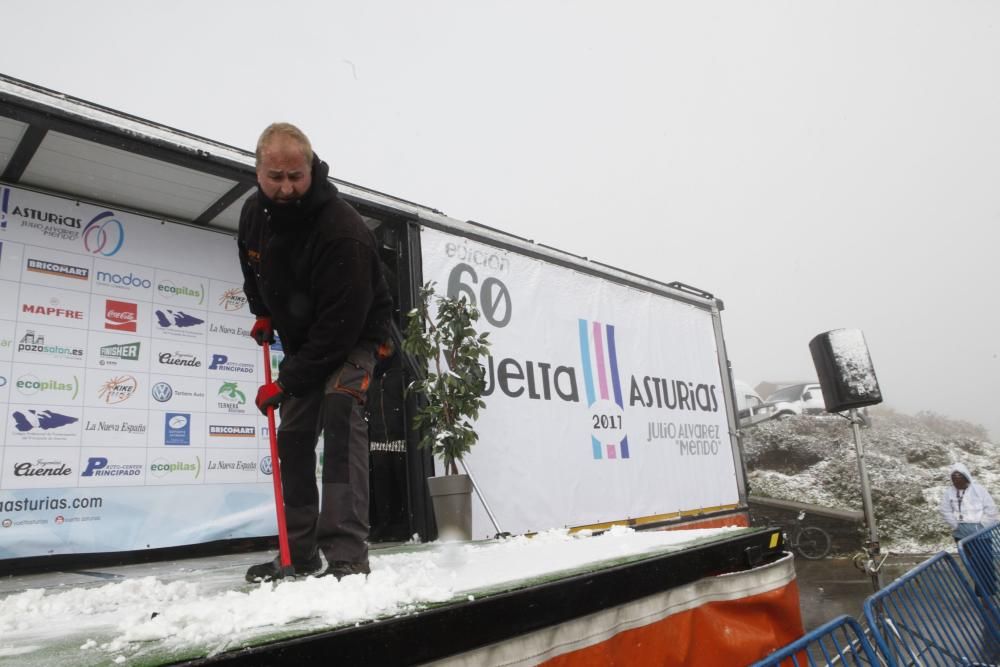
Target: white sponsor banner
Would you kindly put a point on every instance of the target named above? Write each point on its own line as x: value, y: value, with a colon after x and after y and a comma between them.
x: 114, y: 427
x: 93, y: 296
x: 231, y: 466
x: 40, y: 467
x: 101, y: 466
x: 604, y: 402
x: 34, y: 343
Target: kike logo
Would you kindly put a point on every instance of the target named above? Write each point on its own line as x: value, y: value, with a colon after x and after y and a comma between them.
x: 177, y: 429
x: 604, y: 392
x: 104, y: 235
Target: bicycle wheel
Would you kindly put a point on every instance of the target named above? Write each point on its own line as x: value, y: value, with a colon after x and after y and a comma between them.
x: 813, y: 543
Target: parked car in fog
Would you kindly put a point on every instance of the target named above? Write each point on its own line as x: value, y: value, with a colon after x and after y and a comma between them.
x: 796, y: 399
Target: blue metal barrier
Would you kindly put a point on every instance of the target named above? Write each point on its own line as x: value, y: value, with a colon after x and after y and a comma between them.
x: 839, y: 642
x: 979, y: 554
x: 931, y: 616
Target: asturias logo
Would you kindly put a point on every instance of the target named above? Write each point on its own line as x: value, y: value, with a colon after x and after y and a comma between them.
x: 604, y: 390
x: 104, y: 235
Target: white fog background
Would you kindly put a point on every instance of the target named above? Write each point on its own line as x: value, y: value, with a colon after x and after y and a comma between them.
x: 817, y: 165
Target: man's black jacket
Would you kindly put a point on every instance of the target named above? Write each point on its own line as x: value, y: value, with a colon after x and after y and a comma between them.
x: 313, y: 267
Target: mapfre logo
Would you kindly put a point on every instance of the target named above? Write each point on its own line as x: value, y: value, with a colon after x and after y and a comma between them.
x: 52, y: 310
x: 120, y: 315
x: 104, y: 235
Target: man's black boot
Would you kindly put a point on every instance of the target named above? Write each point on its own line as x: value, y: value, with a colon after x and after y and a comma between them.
x: 344, y: 568
x: 272, y: 569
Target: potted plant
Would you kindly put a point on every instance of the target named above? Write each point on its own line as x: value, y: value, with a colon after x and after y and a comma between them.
x: 447, y: 347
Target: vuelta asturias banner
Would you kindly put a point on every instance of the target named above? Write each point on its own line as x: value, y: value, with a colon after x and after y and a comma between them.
x: 604, y: 402
x: 127, y: 379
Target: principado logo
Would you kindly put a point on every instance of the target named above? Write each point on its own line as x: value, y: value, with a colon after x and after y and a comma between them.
x: 168, y: 319
x: 57, y: 269
x: 162, y: 392
x: 118, y: 389
x: 104, y: 235
x: 177, y: 429
x: 43, y: 420
x: 227, y: 431
x: 233, y: 299
x: 123, y: 281
x: 162, y: 467
x: 120, y: 315
x: 169, y: 290
x: 98, y: 466
x: 220, y: 362
x: 32, y: 342
x: 29, y: 385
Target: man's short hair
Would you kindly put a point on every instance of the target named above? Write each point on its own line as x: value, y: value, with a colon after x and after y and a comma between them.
x: 288, y: 130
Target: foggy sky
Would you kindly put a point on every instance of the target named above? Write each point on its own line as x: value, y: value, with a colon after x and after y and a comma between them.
x: 814, y: 165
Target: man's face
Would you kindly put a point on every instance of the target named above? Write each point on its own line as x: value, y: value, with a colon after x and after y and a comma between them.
x: 283, y: 173
x: 958, y: 479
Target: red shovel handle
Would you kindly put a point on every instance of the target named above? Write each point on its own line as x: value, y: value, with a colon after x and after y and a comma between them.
x: 279, y: 502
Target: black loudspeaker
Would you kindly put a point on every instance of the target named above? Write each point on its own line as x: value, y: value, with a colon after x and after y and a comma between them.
x: 845, y: 370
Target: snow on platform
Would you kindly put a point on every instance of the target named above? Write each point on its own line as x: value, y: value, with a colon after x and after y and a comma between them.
x: 166, y: 612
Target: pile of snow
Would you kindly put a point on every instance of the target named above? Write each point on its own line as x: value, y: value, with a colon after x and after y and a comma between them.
x: 813, y: 460
x: 119, y: 620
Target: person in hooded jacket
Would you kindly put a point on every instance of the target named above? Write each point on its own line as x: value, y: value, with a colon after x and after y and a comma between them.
x: 312, y: 273
x: 966, y: 506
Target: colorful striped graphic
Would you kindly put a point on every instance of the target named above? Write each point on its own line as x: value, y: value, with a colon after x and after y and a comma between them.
x: 602, y: 365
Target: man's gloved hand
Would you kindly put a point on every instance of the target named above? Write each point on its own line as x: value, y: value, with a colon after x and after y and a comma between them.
x: 262, y: 331
x: 269, y: 395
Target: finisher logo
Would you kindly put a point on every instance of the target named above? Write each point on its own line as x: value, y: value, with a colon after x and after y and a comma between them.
x: 104, y: 235
x: 604, y: 392
x: 123, y: 351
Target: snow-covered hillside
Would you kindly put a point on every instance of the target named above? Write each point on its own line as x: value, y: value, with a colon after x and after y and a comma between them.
x: 813, y: 460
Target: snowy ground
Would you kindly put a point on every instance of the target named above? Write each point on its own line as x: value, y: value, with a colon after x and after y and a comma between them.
x: 204, y: 610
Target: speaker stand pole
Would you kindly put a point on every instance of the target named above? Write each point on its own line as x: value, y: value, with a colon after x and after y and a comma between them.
x: 873, y: 564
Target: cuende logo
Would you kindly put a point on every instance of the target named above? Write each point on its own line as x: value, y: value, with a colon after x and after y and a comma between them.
x: 162, y: 392
x: 127, y: 280
x: 118, y: 389
x: 29, y: 385
x: 32, y: 342
x: 169, y: 290
x: 104, y: 234
x: 57, y: 269
x: 220, y: 362
x: 42, y: 468
x: 179, y: 359
x: 233, y: 299
x: 44, y: 420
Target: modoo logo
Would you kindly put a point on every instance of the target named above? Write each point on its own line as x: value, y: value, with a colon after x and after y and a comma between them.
x: 57, y: 269
x: 220, y: 362
x: 33, y: 342
x: 29, y: 385
x: 104, y: 235
x: 233, y: 299
x: 118, y: 389
x: 169, y: 290
x: 120, y: 315
x: 124, y: 281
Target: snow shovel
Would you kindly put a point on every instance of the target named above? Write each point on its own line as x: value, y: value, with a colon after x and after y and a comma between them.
x: 279, y: 499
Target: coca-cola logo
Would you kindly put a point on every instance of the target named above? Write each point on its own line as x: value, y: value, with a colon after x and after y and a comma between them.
x: 41, y: 468
x: 120, y: 315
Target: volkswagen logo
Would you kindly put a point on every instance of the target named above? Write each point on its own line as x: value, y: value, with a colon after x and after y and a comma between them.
x: 265, y: 465
x: 162, y: 392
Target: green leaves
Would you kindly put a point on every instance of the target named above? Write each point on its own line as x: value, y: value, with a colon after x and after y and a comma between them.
x: 451, y: 350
